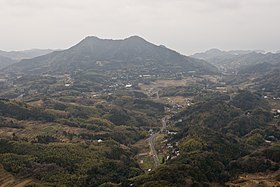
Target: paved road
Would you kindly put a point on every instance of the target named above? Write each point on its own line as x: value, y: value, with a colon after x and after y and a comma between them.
x: 151, y: 141
x: 163, y: 122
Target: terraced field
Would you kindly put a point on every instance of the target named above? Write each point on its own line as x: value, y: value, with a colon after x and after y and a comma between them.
x: 257, y: 179
x: 8, y: 180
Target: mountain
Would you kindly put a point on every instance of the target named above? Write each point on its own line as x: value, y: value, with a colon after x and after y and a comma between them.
x: 8, y: 58
x: 257, y: 58
x: 213, y: 53
x: 269, y: 82
x: 26, y: 54
x: 5, y: 61
x: 106, y: 54
x: 259, y: 69
x: 234, y: 60
x: 221, y: 59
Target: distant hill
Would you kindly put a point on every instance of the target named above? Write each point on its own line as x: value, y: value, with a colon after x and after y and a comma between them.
x: 234, y: 60
x: 269, y: 82
x: 260, y: 68
x: 26, y: 54
x: 5, y: 61
x: 220, y: 58
x: 105, y: 54
x: 214, y: 53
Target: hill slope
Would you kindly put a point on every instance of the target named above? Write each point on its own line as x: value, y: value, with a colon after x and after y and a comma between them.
x: 26, y: 54
x: 5, y: 61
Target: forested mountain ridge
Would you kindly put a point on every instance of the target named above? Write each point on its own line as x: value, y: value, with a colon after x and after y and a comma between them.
x: 25, y: 54
x: 5, y: 61
x: 105, y: 54
x: 235, y: 60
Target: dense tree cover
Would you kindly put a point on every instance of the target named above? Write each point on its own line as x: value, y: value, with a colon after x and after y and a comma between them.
x: 215, y: 114
x: 55, y: 163
x: 132, y: 94
x: 105, y: 122
x: 244, y: 124
x: 219, y: 139
x: 269, y: 83
x: 147, y: 104
x: 21, y: 111
x: 273, y: 153
x: 141, y: 104
x: 123, y: 111
x: 58, y: 164
x: 249, y: 101
x: 125, y: 116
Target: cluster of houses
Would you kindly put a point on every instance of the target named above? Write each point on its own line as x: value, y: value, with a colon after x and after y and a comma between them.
x: 68, y: 80
x: 274, y: 98
x: 173, y: 151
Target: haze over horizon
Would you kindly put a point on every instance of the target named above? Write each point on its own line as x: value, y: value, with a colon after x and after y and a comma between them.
x: 185, y: 26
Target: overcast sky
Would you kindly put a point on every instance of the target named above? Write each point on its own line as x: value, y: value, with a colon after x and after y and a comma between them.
x: 187, y: 26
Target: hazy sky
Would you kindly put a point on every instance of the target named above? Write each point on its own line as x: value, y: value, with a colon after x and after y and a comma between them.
x: 184, y: 25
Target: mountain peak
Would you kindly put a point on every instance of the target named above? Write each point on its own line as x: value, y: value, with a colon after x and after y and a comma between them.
x: 91, y: 38
x: 135, y: 37
x: 213, y: 51
x: 131, y: 38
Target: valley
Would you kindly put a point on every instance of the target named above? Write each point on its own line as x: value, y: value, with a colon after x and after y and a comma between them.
x: 130, y: 113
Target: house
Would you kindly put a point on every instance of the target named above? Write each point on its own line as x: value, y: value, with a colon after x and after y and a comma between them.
x: 146, y: 76
x: 128, y: 86
x: 171, y: 133
x: 191, y: 72
x: 271, y: 138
